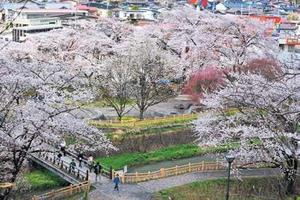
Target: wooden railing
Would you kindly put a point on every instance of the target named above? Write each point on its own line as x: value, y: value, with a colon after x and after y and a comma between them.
x: 64, y: 166
x: 65, y: 192
x: 106, y: 170
x: 6, y: 185
x: 172, y: 171
x: 182, y: 169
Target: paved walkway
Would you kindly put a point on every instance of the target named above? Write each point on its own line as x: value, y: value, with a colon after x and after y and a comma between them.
x: 143, y: 191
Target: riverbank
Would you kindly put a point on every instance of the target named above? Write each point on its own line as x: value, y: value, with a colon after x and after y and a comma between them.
x: 168, y: 153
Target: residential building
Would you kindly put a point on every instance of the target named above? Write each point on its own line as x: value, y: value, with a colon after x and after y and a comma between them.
x: 23, y: 27
x: 139, y: 14
x: 105, y: 8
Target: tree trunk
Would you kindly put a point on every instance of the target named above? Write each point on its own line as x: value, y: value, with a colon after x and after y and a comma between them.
x: 141, y: 116
x: 120, y: 117
x: 6, y: 193
x: 291, y: 175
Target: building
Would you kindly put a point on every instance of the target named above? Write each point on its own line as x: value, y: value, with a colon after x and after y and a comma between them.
x: 146, y: 14
x: 105, y: 9
x: 48, y: 13
x: 23, y: 27
x: 290, y: 44
x: 8, y: 10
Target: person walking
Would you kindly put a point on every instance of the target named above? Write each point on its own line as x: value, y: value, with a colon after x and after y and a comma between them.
x: 72, y: 166
x: 59, y: 155
x: 116, y: 182
x: 91, y: 162
x: 63, y: 147
x: 80, y: 158
x: 98, y: 169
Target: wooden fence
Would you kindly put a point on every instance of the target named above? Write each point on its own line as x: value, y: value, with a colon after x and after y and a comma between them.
x: 182, y: 169
x: 172, y: 171
x: 65, y: 192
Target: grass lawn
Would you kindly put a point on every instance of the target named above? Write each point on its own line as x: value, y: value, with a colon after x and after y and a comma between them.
x: 43, y: 179
x: 120, y: 134
x: 168, y: 153
x: 133, y: 127
x: 247, y: 189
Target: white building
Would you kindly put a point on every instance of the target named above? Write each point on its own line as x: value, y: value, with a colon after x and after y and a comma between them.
x: 23, y: 27
x: 140, y: 14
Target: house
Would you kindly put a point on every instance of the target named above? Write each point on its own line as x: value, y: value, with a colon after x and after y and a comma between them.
x: 91, y: 10
x: 288, y: 28
x: 10, y: 10
x: 146, y: 14
x: 105, y: 8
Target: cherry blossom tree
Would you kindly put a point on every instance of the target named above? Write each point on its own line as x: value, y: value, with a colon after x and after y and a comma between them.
x: 34, y: 108
x: 265, y: 124
x: 115, y: 83
x: 152, y: 70
x: 204, y: 39
x: 86, y: 45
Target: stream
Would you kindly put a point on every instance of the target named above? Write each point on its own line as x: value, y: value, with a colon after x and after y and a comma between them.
x: 171, y: 163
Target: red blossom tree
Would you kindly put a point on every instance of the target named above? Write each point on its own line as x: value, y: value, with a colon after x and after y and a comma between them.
x: 268, y: 68
x: 203, y: 81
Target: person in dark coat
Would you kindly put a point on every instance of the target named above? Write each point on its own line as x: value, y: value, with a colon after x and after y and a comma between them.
x: 72, y: 165
x: 59, y: 155
x: 98, y: 169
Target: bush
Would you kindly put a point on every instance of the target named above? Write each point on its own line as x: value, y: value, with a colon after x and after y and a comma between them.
x: 43, y: 179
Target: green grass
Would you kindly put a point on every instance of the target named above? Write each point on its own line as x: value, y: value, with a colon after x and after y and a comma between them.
x: 43, y: 179
x: 247, y: 189
x: 120, y: 134
x: 168, y: 153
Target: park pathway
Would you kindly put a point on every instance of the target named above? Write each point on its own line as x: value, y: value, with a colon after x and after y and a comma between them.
x: 144, y: 191
x: 103, y: 188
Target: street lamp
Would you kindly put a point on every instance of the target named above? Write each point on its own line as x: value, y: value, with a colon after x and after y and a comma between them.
x: 229, y: 159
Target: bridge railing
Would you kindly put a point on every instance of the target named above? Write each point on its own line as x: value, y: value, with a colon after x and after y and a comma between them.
x: 75, y: 172
x: 65, y: 192
x: 6, y: 185
x: 106, y: 171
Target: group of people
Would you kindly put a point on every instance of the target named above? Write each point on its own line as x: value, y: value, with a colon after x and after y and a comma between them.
x: 98, y: 169
x: 90, y: 162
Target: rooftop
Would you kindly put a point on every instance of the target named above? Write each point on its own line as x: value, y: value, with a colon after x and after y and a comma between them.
x: 38, y: 27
